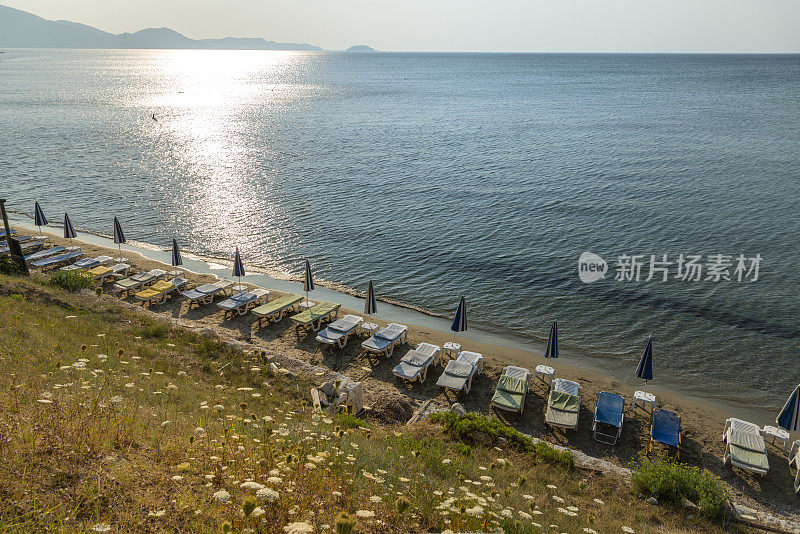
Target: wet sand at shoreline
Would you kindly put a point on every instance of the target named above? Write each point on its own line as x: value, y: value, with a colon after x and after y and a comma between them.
x: 702, y: 422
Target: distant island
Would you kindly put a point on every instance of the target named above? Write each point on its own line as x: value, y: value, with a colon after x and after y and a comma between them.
x: 360, y: 48
x: 20, y: 29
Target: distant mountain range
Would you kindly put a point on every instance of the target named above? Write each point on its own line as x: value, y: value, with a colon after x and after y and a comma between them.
x: 360, y: 48
x: 20, y: 29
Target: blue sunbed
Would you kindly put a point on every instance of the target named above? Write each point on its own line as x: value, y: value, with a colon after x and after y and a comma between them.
x: 666, y: 429
x: 27, y: 245
x: 55, y: 260
x: 3, y: 233
x: 44, y: 253
x: 241, y: 303
x: 608, y: 413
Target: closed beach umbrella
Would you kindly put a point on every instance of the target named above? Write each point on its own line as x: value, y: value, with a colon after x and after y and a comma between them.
x: 370, y: 306
x: 38, y: 217
x: 119, y: 237
x: 789, y: 418
x: 308, y: 281
x: 645, y: 369
x: 238, y: 266
x: 176, y: 254
x: 551, y: 349
x: 69, y: 231
x: 460, y: 320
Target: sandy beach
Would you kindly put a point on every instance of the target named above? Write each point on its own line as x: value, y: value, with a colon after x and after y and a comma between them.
x: 702, y: 422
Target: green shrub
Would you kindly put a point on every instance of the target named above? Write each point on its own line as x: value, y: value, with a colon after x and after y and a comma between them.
x: 7, y: 265
x: 347, y: 420
x: 153, y: 330
x: 670, y: 482
x: 463, y: 449
x: 463, y: 427
x: 71, y: 280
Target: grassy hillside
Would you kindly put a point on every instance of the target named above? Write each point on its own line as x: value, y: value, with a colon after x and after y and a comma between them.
x: 112, y: 421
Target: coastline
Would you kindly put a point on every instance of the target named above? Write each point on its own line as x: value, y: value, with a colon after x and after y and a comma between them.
x: 517, y: 350
x: 702, y: 420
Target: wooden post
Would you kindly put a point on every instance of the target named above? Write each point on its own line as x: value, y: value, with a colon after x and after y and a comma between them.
x: 13, y: 245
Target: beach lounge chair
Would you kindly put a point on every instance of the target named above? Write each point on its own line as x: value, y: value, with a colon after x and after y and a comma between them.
x: 745, y: 447
x: 609, y: 413
x: 42, y: 254
x: 457, y: 376
x: 665, y: 428
x: 511, y: 390
x: 564, y: 404
x: 275, y: 310
x: 30, y: 246
x: 794, y: 461
x: 240, y: 303
x: 3, y: 233
x: 55, y: 261
x: 205, y: 293
x: 474, y: 358
x: 101, y: 273
x: 137, y: 281
x: 338, y: 331
x: 384, y: 340
x: 87, y: 263
x: 311, y: 319
x: 414, y: 366
x: 156, y: 294
x: 428, y: 349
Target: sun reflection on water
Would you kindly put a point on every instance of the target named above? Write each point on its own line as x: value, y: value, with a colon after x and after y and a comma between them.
x: 205, y: 102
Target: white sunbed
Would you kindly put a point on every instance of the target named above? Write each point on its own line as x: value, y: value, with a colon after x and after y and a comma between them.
x: 512, y: 389
x: 137, y: 281
x: 428, y: 349
x: 518, y: 372
x: 204, y: 294
x: 457, y: 376
x: 414, y: 366
x: 241, y: 303
x: 338, y: 331
x: 745, y: 447
x: 384, y: 340
x: 473, y: 358
x: 564, y: 404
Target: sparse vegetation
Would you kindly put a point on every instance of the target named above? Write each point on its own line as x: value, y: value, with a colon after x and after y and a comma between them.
x: 463, y: 427
x: 104, y: 427
x: 71, y: 280
x: 671, y: 482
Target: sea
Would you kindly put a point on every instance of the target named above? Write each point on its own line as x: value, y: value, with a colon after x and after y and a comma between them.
x: 625, y: 196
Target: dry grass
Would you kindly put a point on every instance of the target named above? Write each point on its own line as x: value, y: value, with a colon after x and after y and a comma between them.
x: 142, y: 439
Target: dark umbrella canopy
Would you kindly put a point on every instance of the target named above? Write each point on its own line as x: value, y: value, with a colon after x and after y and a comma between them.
x: 460, y: 320
x: 645, y: 369
x: 176, y: 254
x: 308, y: 281
x: 119, y: 237
x: 789, y: 418
x: 370, y: 306
x: 38, y: 217
x: 238, y: 266
x: 551, y: 349
x: 69, y: 231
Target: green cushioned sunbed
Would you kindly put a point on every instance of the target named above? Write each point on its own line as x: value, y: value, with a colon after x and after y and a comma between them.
x: 748, y: 449
x: 275, y: 306
x: 510, y: 393
x: 320, y: 311
x: 562, y: 409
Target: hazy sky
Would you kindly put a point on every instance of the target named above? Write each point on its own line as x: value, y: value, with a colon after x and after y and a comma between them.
x: 459, y: 25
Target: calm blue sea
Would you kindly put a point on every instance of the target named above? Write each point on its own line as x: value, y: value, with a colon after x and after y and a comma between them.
x: 439, y: 175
